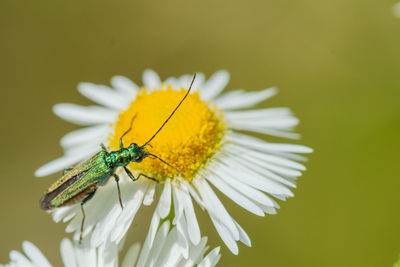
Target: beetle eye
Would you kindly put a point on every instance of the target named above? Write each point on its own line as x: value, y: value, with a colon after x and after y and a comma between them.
x: 139, y: 158
x: 133, y: 145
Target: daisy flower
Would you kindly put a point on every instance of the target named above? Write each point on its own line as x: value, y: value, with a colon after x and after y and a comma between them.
x: 159, y: 249
x: 203, y: 139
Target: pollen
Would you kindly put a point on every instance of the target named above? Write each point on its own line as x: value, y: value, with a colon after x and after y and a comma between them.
x: 188, y: 140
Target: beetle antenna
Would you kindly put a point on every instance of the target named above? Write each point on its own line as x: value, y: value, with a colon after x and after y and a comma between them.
x: 121, y: 145
x: 165, y: 122
x: 166, y: 163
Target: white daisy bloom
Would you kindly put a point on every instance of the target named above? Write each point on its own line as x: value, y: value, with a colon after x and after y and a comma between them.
x: 202, y: 140
x: 161, y: 248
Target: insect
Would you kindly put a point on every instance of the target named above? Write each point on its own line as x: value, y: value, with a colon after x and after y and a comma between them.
x: 79, y: 184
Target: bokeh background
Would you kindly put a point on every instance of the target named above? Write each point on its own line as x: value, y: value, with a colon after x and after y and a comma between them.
x: 337, y: 64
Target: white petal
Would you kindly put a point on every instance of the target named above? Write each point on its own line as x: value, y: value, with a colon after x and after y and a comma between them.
x: 245, y: 189
x: 35, y: 254
x: 67, y: 253
x: 173, y: 82
x: 269, y: 131
x: 59, y: 213
x: 192, y: 223
x: 183, y: 240
x: 63, y: 162
x: 184, y: 81
x: 104, y: 95
x: 244, y: 238
x: 276, y: 205
x: 94, y: 134
x: 279, y: 123
x: 125, y: 87
x: 71, y: 213
x: 131, y: 256
x: 267, y: 157
x: 291, y: 156
x: 151, y: 80
x: 257, y: 170
x: 94, y: 148
x: 195, y: 193
x: 275, y: 168
x: 196, y: 253
x: 101, y: 212
x: 211, y: 259
x: 238, y: 198
x: 85, y: 256
x: 164, y: 204
x: 247, y: 176
x: 127, y: 215
x: 104, y: 226
x: 85, y: 115
x: 170, y: 255
x: 107, y: 255
x: 215, y: 85
x: 277, y: 133
x: 198, y: 82
x: 19, y: 259
x: 215, y: 207
x: 74, y: 224
x: 266, y: 113
x: 104, y: 203
x: 280, y: 196
x: 280, y: 126
x: 158, y: 244
x: 225, y: 235
x: 148, y: 243
x: 241, y: 99
x: 252, y: 159
x: 149, y: 197
x: 273, y: 121
x: 177, y: 204
x: 269, y: 210
x: 261, y: 145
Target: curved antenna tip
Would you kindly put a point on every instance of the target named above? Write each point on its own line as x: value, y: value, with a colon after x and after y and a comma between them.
x: 172, y: 113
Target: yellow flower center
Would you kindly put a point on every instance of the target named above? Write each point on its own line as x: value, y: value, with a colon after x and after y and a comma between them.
x: 186, y: 142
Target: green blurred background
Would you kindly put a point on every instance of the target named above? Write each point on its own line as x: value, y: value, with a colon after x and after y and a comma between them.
x: 337, y: 64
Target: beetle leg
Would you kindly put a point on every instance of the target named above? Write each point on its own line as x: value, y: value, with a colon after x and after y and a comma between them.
x: 148, y: 177
x: 83, y: 221
x: 86, y: 199
x: 140, y: 174
x: 129, y: 174
x: 116, y: 177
